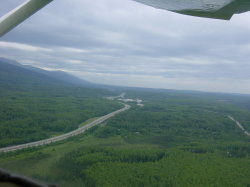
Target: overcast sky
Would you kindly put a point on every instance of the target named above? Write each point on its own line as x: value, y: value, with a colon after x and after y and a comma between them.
x: 131, y: 44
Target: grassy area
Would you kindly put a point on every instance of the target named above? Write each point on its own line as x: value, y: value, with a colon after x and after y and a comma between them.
x: 40, y: 162
x: 88, y: 121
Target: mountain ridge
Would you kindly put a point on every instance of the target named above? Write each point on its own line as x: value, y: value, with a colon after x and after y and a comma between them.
x: 13, y: 72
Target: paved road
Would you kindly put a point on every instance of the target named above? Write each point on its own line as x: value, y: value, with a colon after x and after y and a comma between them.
x: 239, y: 125
x: 67, y: 135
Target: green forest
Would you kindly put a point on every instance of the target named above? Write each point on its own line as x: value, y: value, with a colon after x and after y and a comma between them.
x: 36, y: 104
x: 29, y: 113
x: 175, y: 139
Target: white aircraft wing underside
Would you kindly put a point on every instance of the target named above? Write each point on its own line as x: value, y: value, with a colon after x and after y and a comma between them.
x: 178, y: 5
x: 218, y: 9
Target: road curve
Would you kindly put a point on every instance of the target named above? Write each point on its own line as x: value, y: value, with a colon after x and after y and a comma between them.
x: 64, y: 136
x: 239, y: 125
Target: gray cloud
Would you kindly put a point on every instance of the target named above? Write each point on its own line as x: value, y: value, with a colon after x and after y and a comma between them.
x: 127, y: 43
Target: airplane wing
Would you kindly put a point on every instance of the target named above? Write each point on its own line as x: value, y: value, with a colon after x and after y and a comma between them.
x: 19, y: 14
x: 218, y: 9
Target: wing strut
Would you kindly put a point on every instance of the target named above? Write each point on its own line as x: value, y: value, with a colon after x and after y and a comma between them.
x: 19, y: 14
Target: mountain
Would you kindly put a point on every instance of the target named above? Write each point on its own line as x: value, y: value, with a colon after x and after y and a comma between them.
x: 13, y: 72
x: 62, y: 76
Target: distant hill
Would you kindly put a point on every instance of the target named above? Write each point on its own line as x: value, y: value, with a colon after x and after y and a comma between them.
x: 13, y: 72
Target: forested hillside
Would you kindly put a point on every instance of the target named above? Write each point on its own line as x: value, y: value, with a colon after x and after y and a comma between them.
x: 13, y: 72
x: 35, y: 106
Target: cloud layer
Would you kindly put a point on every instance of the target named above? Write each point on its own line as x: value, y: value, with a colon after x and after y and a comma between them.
x: 127, y: 43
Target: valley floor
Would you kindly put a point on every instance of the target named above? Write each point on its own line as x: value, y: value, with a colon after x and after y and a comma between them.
x: 175, y: 139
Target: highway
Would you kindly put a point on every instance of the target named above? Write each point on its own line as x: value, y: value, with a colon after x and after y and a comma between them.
x: 65, y: 136
x: 239, y: 125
